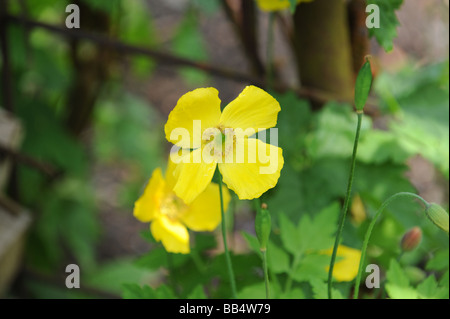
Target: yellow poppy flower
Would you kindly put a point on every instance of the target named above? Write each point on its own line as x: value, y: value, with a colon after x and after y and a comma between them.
x: 345, y: 269
x: 249, y: 166
x: 169, y: 215
x: 275, y: 5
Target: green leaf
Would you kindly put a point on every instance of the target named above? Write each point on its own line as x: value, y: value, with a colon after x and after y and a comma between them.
x: 439, y: 261
x: 419, y: 98
x: 197, y: 293
x: 134, y: 291
x: 310, y: 267
x: 429, y: 289
x: 397, y: 285
x: 256, y: 291
x: 277, y: 259
x: 252, y: 242
x: 388, y: 22
x: 324, y: 142
x: 320, y: 290
x: 289, y: 235
x: 294, y: 293
x: 111, y: 276
x: 362, y: 86
x: 157, y: 258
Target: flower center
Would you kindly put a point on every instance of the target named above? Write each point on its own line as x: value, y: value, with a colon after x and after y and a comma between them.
x: 173, y: 207
x: 218, y: 143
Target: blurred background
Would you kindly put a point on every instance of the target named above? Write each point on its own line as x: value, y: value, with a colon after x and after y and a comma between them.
x: 82, y: 113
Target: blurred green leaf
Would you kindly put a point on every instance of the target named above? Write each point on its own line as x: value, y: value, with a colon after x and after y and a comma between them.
x: 188, y: 43
x: 429, y: 289
x: 439, y: 261
x: 320, y: 290
x: 397, y: 285
x: 420, y: 98
x: 310, y: 267
x: 197, y: 293
x: 137, y: 27
x: 388, y: 22
x: 113, y: 275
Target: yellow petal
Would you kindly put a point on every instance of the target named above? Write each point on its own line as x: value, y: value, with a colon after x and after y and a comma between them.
x: 275, y: 5
x: 345, y: 269
x: 199, y: 105
x: 171, y: 177
x: 173, y: 235
x: 255, y: 169
x: 253, y: 108
x: 193, y: 176
x: 147, y: 206
x: 357, y: 210
x: 204, y: 212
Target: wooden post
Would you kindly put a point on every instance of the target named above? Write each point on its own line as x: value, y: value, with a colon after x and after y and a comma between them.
x: 323, y: 47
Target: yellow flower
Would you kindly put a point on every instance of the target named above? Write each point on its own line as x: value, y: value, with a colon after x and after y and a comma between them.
x: 275, y: 5
x: 346, y: 268
x: 218, y: 139
x: 169, y: 215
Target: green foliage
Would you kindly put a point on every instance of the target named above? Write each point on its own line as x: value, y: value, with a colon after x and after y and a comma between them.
x: 137, y: 28
x: 419, y: 100
x: 317, y: 143
x: 188, y: 43
x: 388, y: 22
x: 399, y: 287
x: 134, y: 291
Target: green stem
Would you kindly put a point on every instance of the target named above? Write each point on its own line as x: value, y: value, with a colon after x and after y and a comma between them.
x: 270, y: 51
x: 257, y: 203
x: 225, y: 245
x: 346, y: 202
x: 172, y: 278
x: 266, y: 273
x: 369, y: 232
x: 295, y: 262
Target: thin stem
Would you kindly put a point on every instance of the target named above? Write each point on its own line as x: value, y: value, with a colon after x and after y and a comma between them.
x: 172, y: 278
x: 270, y: 51
x: 225, y: 245
x: 294, y: 265
x: 369, y: 232
x: 266, y: 273
x: 346, y: 202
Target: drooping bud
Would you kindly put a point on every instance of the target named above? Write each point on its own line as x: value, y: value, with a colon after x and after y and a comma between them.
x: 411, y: 239
x: 263, y: 225
x: 438, y: 216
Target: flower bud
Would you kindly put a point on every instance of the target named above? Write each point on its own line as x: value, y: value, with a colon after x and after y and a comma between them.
x: 363, y: 85
x: 263, y: 225
x: 438, y: 216
x: 411, y: 239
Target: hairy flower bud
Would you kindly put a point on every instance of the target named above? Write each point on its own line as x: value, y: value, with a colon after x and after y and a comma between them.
x: 411, y: 239
x: 438, y: 216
